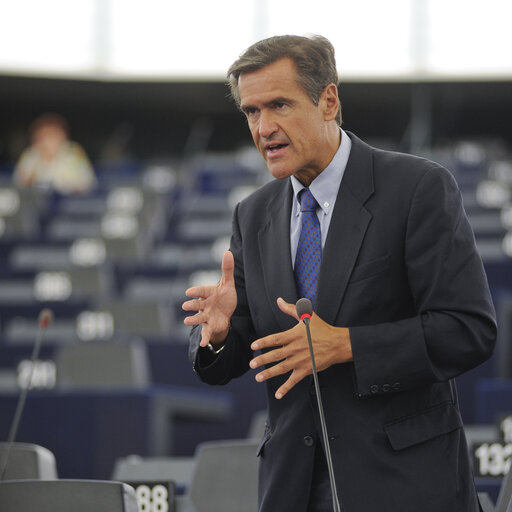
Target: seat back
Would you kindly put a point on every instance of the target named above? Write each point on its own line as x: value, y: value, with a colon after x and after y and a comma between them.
x: 27, y: 461
x: 66, y: 495
x: 150, y: 469
x: 504, y: 502
x: 225, y: 478
x: 257, y: 425
x: 100, y: 365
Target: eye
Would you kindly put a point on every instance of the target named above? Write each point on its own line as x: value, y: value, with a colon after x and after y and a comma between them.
x: 250, y: 111
x: 281, y: 106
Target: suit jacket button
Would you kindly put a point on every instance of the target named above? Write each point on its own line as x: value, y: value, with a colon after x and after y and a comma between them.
x: 386, y: 388
x: 309, y: 441
x: 374, y: 389
x: 396, y: 386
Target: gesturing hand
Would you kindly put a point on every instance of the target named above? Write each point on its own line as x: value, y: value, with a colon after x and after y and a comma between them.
x: 291, y: 350
x: 214, y: 305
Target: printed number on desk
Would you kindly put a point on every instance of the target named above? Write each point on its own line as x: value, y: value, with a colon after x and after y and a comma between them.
x: 154, y: 496
x: 492, y: 459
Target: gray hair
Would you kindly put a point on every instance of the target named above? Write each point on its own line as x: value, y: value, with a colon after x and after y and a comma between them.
x: 313, y: 58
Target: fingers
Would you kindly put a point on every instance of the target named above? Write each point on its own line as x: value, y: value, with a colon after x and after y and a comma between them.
x: 288, y: 358
x: 287, y: 308
x: 199, y: 291
x: 205, y: 336
x: 228, y: 268
x: 204, y: 292
x: 284, y: 366
x: 193, y: 305
x: 294, y: 378
x: 274, y: 340
x: 268, y: 357
x: 196, y: 319
x: 285, y: 361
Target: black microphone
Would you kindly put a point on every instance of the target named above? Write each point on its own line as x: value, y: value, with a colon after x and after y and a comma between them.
x: 305, y: 311
x: 44, y: 319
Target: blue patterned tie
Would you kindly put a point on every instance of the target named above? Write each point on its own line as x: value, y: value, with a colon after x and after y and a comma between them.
x: 309, y: 248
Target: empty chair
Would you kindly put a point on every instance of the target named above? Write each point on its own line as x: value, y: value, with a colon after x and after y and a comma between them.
x: 66, y: 495
x: 257, y: 425
x: 39, y: 257
x: 485, y: 502
x: 65, y: 228
x: 182, y: 258
x: 199, y: 204
x: 144, y: 318
x: 55, y: 286
x: 225, y: 478
x: 18, y: 212
x: 16, y: 290
x: 151, y: 469
x: 198, y: 229
x: 162, y: 289
x: 128, y: 249
x: 23, y: 331
x: 27, y: 461
x: 8, y: 380
x: 100, y: 365
x: 504, y: 502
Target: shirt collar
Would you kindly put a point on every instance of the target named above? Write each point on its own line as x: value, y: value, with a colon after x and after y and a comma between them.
x: 326, y: 185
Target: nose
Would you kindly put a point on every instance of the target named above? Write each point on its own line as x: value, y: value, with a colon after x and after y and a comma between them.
x: 267, y: 126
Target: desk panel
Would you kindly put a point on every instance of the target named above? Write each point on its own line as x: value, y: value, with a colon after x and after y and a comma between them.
x: 87, y: 431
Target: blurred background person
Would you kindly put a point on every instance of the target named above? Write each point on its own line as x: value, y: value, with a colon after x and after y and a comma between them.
x: 52, y: 160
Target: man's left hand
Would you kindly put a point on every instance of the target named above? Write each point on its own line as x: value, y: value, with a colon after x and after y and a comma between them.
x: 331, y: 345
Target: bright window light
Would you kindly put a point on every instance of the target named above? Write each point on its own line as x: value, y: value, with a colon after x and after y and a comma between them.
x: 364, y: 44
x: 199, y: 39
x: 470, y: 37
x: 192, y: 38
x: 54, y: 35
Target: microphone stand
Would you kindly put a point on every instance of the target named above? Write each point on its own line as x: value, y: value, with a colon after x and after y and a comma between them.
x: 305, y: 317
x: 44, y: 320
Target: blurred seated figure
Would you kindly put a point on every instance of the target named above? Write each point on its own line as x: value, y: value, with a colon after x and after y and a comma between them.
x: 52, y: 160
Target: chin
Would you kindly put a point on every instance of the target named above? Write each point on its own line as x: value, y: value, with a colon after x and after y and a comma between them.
x: 280, y: 173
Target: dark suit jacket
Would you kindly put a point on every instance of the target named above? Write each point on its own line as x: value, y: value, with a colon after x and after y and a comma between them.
x: 401, y: 270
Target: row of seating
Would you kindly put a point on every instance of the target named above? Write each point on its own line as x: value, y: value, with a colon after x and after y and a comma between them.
x: 187, y: 480
x: 113, y: 265
x: 30, y: 482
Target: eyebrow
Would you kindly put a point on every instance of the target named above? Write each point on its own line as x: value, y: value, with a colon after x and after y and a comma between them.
x: 273, y: 101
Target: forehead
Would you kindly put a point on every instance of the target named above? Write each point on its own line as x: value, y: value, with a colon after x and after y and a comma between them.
x: 278, y: 79
x: 48, y: 129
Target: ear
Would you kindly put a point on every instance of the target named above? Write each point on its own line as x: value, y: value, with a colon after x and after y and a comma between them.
x: 330, y: 102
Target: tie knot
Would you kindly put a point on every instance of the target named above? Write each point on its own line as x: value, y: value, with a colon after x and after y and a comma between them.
x: 307, y: 201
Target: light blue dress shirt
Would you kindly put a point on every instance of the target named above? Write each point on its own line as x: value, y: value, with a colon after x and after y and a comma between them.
x: 324, y: 189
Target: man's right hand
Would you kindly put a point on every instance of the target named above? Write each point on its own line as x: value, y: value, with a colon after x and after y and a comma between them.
x: 214, y: 305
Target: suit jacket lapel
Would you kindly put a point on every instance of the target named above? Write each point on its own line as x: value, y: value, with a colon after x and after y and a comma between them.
x: 346, y: 230
x: 275, y: 253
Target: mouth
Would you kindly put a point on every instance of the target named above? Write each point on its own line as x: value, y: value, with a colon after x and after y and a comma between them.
x: 274, y: 149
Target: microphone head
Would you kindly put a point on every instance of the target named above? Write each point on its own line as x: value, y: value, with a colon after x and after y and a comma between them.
x: 304, y: 308
x: 45, y: 318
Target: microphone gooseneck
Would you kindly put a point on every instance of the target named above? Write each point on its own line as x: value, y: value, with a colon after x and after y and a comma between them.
x: 44, y: 319
x: 305, y: 311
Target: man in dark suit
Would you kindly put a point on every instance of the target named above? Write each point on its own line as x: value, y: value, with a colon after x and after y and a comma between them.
x: 401, y: 304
